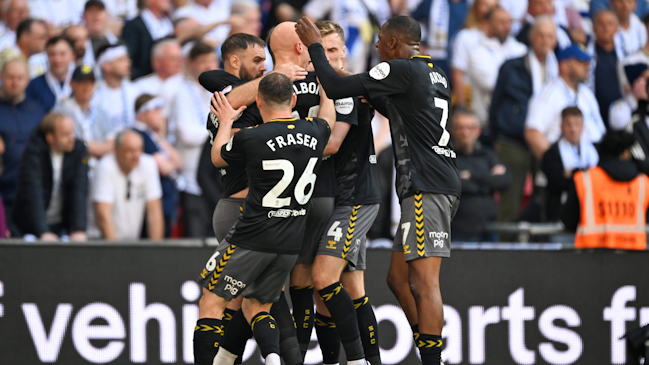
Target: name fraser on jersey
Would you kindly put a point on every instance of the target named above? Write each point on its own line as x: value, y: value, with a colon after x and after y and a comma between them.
x: 290, y: 139
x: 285, y: 213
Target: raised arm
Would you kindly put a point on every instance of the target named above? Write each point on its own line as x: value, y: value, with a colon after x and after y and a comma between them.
x: 226, y: 116
x: 246, y: 93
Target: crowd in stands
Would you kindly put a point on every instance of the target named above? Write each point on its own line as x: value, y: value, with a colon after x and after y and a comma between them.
x: 102, y: 117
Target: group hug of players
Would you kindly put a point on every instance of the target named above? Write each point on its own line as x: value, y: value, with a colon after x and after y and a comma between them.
x: 300, y: 192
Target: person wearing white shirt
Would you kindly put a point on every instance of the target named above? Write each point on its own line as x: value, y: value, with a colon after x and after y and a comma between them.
x: 621, y: 111
x: 464, y: 43
x: 115, y: 94
x: 486, y: 59
x: 95, y: 19
x: 632, y: 33
x: 167, y: 64
x: 125, y: 189
x: 31, y: 36
x: 208, y: 12
x: 189, y: 112
x: 543, y: 124
x: 91, y: 124
x: 537, y: 8
x: 13, y: 12
x: 59, y: 14
x: 54, y: 84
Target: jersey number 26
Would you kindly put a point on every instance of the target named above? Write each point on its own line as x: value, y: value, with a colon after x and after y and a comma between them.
x: 272, y: 199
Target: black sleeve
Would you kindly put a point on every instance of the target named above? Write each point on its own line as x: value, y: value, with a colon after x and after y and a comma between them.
x: 552, y: 167
x: 208, y: 176
x: 30, y: 215
x: 496, y: 98
x: 347, y: 110
x: 380, y: 105
x: 571, y: 210
x: 325, y: 127
x: 78, y: 214
x: 217, y: 80
x: 336, y: 86
x: 234, y: 152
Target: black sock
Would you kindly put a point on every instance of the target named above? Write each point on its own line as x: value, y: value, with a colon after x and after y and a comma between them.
x: 239, y: 331
x: 207, y: 336
x: 264, y: 328
x: 227, y: 317
x: 328, y: 338
x: 415, y: 332
x: 288, y: 345
x: 302, y: 299
x: 369, y: 330
x: 430, y: 349
x: 343, y: 313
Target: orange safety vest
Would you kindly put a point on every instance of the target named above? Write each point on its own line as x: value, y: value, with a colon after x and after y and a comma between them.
x: 612, y: 212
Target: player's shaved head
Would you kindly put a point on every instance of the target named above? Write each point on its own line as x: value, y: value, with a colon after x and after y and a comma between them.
x: 286, y: 47
x: 405, y: 28
x: 276, y: 90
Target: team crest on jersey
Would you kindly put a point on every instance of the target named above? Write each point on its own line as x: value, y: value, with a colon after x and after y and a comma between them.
x: 344, y: 106
x: 380, y: 71
x: 290, y: 126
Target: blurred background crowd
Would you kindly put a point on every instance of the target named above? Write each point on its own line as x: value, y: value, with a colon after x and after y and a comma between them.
x: 102, y: 118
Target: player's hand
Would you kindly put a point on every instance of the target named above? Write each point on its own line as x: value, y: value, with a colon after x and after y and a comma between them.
x: 292, y: 71
x: 308, y: 32
x: 224, y: 111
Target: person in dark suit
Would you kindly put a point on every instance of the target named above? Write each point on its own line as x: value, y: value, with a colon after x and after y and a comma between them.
x: 54, y: 85
x: 53, y: 182
x: 518, y: 80
x: 141, y: 33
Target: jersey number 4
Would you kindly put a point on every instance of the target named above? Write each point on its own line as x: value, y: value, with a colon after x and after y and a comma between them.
x: 272, y: 199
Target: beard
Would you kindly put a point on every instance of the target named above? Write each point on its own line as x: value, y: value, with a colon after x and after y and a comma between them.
x: 246, y: 75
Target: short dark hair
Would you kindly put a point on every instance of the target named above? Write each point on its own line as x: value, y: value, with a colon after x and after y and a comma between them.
x: 405, y: 26
x: 25, y: 26
x: 645, y: 20
x: 141, y: 100
x: 199, y: 49
x: 60, y: 38
x: 276, y: 89
x: 239, y: 42
x: 616, y: 142
x: 327, y: 27
x: 270, y: 50
x: 48, y: 124
x: 571, y: 111
x: 492, y: 11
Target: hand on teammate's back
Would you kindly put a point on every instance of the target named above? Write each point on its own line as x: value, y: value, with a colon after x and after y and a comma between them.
x: 292, y: 71
x: 308, y: 32
x: 224, y: 111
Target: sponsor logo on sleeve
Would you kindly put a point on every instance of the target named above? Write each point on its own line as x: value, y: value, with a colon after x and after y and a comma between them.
x: 380, y: 71
x: 228, y: 147
x: 227, y: 89
x: 344, y: 106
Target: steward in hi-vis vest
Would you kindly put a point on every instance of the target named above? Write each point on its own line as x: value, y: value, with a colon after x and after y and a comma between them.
x: 608, y: 204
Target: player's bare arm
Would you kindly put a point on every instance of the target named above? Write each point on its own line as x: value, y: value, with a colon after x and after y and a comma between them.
x: 246, y: 93
x: 327, y: 110
x: 226, y: 116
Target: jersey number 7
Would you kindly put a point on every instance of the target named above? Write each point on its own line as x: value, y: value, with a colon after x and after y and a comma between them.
x: 272, y: 199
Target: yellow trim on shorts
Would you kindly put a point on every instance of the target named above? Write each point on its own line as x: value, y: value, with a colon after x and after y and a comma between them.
x: 350, y: 230
x: 219, y: 268
x: 419, y: 223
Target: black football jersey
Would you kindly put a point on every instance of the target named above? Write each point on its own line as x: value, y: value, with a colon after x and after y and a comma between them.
x: 418, y: 105
x: 308, y: 105
x: 282, y: 159
x: 233, y: 178
x: 355, y: 161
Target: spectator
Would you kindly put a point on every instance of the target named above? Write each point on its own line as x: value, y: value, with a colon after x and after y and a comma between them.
x: 518, y: 80
x: 487, y: 57
x: 632, y: 33
x: 126, y: 189
x: 189, y: 112
x: 621, y: 110
x: 4, y: 229
x: 57, y: 15
x: 466, y: 40
x: 140, y: 34
x: 13, y: 12
x: 638, y: 125
x: 20, y: 115
x: 31, y: 36
x: 167, y: 64
x: 54, y: 85
x: 249, y: 13
x: 543, y: 124
x: 517, y: 10
x: 640, y: 56
x: 605, y: 53
x: 92, y: 126
x: 78, y: 34
x: 283, y: 11
x: 53, y: 183
x: 443, y: 24
x: 95, y: 18
x: 150, y: 124
x: 571, y: 153
x: 535, y: 9
x: 209, y: 12
x: 596, y: 5
x: 607, y: 204
x: 481, y: 173
x: 115, y: 95
x: 122, y: 11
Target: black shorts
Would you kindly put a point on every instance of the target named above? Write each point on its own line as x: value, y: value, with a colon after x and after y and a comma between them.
x: 233, y: 270
x: 225, y: 215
